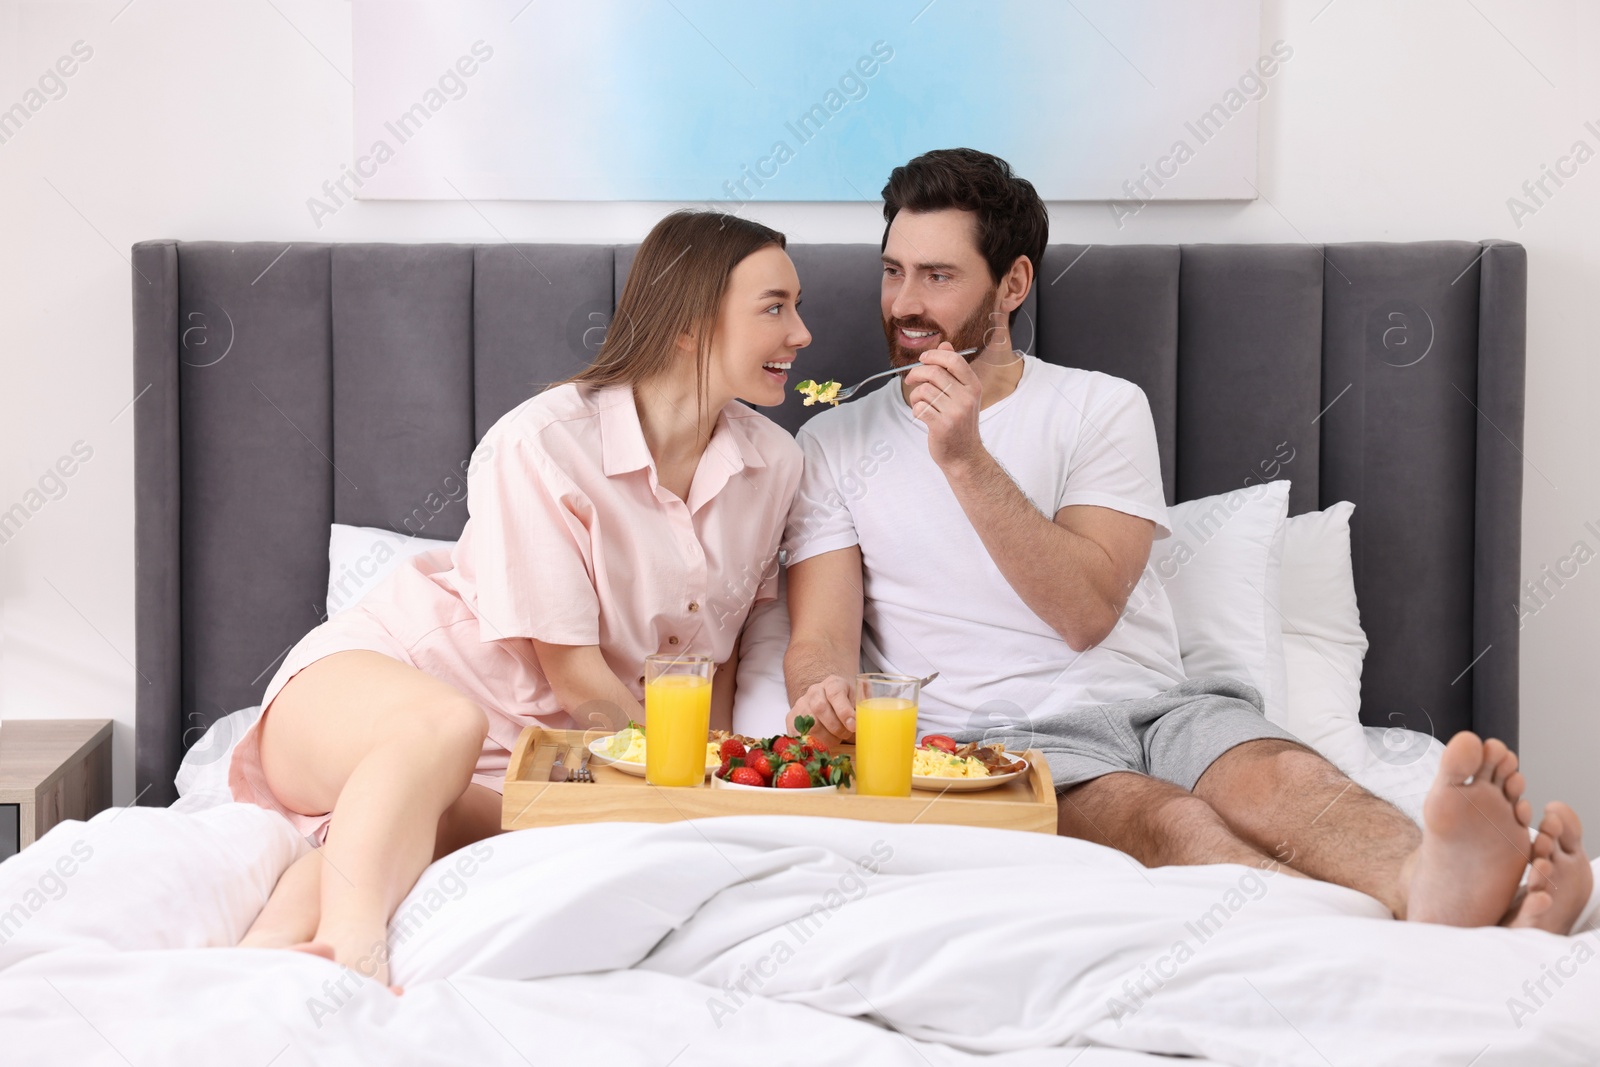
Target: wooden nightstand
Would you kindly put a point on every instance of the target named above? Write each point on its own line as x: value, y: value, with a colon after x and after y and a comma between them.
x: 50, y: 770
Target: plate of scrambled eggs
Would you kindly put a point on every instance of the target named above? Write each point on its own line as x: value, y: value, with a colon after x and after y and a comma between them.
x: 624, y: 750
x: 944, y: 772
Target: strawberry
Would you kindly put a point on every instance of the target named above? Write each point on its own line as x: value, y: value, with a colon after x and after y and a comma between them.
x: 758, y: 761
x: 809, y: 746
x: 782, y: 745
x: 722, y: 771
x: 793, y: 776
x: 746, y: 776
x: 732, y: 748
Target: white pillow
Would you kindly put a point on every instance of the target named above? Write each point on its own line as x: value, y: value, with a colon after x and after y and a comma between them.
x: 202, y: 777
x: 1323, y: 643
x: 359, y: 557
x: 761, y: 699
x: 1222, y: 571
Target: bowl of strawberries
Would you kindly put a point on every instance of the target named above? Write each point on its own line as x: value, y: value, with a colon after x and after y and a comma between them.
x: 788, y: 761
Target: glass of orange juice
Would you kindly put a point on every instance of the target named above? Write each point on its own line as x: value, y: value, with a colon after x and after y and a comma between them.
x: 886, y: 733
x: 677, y: 714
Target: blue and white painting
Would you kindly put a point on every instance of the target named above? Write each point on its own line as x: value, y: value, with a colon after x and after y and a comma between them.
x: 724, y: 101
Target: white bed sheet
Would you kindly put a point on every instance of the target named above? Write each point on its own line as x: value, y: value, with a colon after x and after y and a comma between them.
x: 620, y: 943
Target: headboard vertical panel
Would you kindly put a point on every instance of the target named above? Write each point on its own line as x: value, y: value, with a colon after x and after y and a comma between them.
x: 1403, y: 335
x: 1497, y: 570
x: 622, y: 266
x: 256, y: 436
x: 1114, y: 309
x: 1249, y: 369
x: 158, y: 578
x: 540, y: 314
x: 402, y: 386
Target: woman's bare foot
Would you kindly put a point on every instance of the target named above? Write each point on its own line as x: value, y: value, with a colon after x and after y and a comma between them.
x: 315, y: 948
x: 1561, y: 879
x: 1474, y: 840
x: 268, y: 939
x: 361, y: 947
x: 325, y: 951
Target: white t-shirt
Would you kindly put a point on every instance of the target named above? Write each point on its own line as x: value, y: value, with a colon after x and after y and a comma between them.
x: 935, y: 601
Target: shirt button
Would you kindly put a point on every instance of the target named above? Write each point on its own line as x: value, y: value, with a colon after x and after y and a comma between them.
x: 672, y: 640
x: 693, y: 606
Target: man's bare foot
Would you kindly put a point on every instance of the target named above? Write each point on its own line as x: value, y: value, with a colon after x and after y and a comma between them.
x: 1474, y: 839
x: 1561, y: 879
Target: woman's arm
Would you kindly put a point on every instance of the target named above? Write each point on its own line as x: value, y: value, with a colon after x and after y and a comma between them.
x: 596, y: 698
x: 586, y: 686
x: 723, y: 683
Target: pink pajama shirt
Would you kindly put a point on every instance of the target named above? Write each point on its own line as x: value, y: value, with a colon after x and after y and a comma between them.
x: 570, y: 540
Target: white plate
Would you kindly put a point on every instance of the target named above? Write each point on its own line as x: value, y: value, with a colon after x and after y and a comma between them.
x: 1019, y: 766
x: 597, y: 748
x: 718, y: 783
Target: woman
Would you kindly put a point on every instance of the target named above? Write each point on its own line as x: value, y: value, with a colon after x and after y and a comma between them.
x: 632, y: 510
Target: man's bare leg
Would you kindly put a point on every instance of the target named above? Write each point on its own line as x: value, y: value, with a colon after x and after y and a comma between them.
x: 1462, y: 870
x: 1155, y: 822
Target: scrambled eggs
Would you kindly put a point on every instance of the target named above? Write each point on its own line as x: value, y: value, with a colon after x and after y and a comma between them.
x: 818, y: 392
x: 932, y: 763
x: 627, y: 746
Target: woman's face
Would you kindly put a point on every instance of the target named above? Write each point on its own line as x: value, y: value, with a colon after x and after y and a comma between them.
x: 758, y: 329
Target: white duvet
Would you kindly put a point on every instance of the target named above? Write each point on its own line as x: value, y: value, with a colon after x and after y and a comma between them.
x: 758, y: 940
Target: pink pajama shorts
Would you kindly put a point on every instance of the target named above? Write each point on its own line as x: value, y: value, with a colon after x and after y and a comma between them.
x: 412, y: 620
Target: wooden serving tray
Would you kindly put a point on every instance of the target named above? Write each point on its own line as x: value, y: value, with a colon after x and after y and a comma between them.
x: 531, y: 799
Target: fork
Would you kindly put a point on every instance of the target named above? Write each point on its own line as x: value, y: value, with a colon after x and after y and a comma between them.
x: 845, y: 394
x: 558, y: 770
x: 582, y: 773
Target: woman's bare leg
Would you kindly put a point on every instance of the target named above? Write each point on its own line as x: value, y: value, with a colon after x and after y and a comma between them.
x: 291, y: 913
x: 388, y: 749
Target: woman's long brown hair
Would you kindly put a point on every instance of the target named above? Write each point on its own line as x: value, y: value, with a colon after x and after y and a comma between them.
x: 675, y: 287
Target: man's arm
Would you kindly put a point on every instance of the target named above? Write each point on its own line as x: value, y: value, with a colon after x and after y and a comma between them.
x: 1075, y: 572
x: 824, y: 654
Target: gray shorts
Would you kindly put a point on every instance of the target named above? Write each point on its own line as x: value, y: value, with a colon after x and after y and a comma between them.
x: 1173, y: 735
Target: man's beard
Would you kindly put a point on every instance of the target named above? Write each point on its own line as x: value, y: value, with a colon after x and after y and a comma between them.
x: 973, y: 333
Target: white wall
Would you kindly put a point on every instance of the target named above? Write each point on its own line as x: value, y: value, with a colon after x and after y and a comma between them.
x: 219, y: 119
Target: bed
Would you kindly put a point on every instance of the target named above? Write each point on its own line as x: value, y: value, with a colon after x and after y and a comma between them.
x: 288, y: 389
x: 295, y: 387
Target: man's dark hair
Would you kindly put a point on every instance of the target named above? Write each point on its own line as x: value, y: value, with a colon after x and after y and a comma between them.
x: 1012, y: 220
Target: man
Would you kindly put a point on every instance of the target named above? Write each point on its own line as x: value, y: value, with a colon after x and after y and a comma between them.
x: 990, y: 518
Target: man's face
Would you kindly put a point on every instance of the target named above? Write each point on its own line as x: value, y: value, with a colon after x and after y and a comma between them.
x: 936, y: 286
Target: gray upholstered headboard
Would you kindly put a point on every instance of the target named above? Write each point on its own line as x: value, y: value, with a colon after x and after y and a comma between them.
x: 290, y: 388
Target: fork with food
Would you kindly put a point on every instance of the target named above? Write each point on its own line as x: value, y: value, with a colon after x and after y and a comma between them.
x: 829, y: 392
